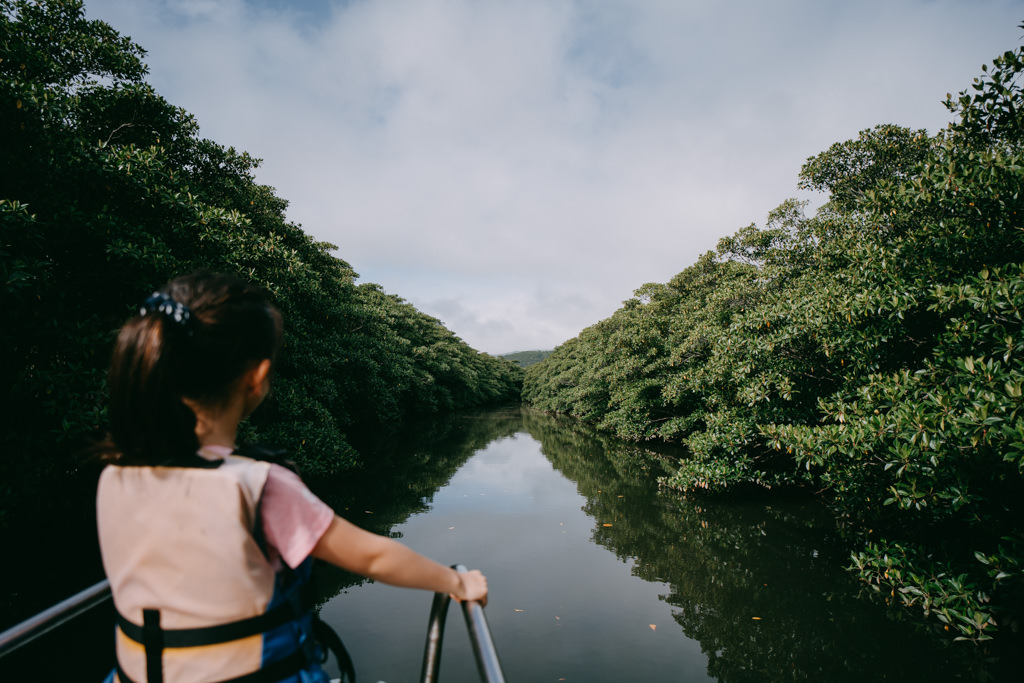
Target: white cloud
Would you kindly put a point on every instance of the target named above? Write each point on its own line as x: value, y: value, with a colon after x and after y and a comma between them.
x: 518, y: 168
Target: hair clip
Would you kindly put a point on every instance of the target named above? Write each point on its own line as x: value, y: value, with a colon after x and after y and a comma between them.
x: 158, y: 302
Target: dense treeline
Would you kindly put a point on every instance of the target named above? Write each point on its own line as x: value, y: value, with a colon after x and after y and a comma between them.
x: 107, y: 191
x: 870, y: 352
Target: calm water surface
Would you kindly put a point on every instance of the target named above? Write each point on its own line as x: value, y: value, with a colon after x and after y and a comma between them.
x: 595, y: 576
x: 562, y: 607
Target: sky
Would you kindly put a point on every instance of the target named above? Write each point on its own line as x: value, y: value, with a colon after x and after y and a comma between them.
x: 517, y: 168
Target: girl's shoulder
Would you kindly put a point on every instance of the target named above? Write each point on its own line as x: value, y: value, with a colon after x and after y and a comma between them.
x: 251, y: 474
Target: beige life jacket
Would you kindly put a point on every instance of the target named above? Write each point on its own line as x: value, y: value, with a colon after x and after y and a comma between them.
x: 180, y: 549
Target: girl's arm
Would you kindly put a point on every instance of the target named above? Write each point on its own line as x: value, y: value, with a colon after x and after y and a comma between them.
x: 382, y: 559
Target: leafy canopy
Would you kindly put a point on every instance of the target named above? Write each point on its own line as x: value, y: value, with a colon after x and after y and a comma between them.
x: 870, y: 352
x: 107, y: 191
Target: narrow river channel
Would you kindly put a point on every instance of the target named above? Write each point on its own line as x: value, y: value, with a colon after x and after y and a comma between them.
x: 595, y: 576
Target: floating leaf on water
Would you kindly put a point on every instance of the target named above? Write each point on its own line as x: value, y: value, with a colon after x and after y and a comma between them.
x: 653, y: 626
x: 450, y: 528
x: 606, y: 525
x: 756, y: 618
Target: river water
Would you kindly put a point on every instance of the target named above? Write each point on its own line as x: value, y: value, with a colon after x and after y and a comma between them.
x: 596, y: 576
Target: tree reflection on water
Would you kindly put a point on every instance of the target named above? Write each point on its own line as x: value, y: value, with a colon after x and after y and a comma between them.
x: 758, y: 581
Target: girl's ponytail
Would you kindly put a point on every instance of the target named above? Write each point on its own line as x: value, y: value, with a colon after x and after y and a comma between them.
x: 192, y: 339
x: 148, y: 421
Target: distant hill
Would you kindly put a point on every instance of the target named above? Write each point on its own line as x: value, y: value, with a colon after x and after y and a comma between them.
x: 526, y: 358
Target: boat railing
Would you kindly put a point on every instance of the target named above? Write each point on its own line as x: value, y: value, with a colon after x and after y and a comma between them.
x: 479, y: 632
x: 49, y: 619
x: 479, y: 635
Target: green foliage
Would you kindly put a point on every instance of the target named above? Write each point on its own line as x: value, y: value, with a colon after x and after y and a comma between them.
x: 870, y: 351
x: 107, y: 192
x: 847, y: 170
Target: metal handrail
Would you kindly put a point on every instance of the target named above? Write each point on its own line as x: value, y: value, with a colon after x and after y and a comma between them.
x: 479, y: 632
x: 47, y: 620
x: 479, y: 635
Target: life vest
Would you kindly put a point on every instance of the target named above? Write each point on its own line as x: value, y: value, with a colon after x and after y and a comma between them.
x: 197, y: 598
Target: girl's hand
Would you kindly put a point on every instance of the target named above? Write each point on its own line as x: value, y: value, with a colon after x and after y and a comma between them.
x: 472, y: 586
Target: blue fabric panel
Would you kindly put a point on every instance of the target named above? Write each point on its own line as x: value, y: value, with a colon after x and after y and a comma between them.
x: 295, y: 635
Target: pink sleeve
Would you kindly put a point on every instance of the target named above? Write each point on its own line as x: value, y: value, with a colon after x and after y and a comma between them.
x: 293, y: 518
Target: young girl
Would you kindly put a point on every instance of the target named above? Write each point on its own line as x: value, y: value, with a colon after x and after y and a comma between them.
x: 208, y: 552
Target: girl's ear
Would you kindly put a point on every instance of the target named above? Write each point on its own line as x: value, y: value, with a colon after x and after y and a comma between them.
x: 260, y: 373
x: 257, y: 383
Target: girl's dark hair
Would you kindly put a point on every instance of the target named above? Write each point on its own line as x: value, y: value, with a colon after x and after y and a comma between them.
x: 161, y: 357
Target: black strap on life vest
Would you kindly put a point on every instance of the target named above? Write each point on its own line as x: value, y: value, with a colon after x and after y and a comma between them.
x: 156, y: 639
x: 206, y: 635
x: 271, y: 673
x: 153, y: 641
x: 253, y: 451
x: 194, y: 461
